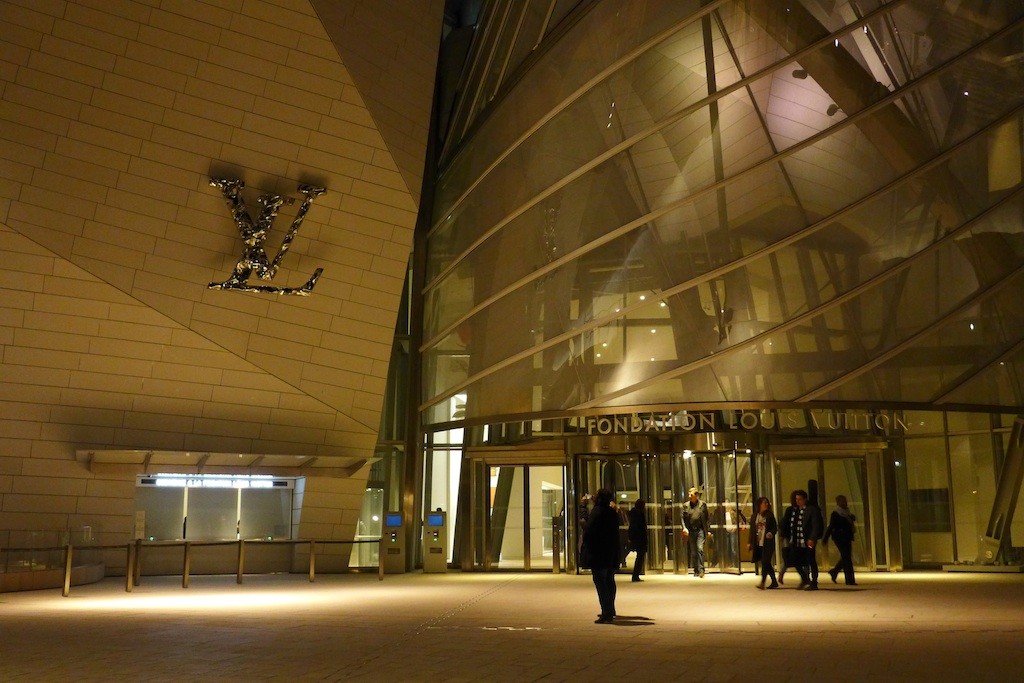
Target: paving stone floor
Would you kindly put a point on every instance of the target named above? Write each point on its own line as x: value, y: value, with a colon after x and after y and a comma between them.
x: 517, y: 627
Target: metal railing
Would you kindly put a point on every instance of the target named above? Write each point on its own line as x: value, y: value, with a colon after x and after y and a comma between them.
x: 133, y: 556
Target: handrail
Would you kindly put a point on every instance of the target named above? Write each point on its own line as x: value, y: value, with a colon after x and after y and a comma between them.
x: 133, y: 552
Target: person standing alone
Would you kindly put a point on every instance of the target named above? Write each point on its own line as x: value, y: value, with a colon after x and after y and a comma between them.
x: 601, y: 552
x: 638, y: 537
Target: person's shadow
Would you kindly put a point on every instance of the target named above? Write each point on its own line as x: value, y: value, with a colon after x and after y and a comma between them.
x: 627, y: 620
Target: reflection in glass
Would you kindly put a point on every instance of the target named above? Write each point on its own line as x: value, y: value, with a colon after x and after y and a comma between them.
x: 817, y: 204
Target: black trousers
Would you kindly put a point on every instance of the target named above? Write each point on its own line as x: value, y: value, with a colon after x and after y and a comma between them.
x: 845, y: 563
x: 764, y: 556
x: 604, y: 582
x: 638, y: 563
x: 801, y: 559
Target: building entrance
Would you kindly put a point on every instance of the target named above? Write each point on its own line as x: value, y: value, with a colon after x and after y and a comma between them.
x: 516, y: 519
x: 725, y: 481
x: 824, y: 478
x: 630, y: 477
x: 662, y: 480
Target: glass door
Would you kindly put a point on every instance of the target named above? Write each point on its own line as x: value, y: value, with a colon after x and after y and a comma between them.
x: 508, y: 518
x: 824, y: 479
x: 518, y: 513
x: 620, y: 473
x: 545, y: 503
x: 725, y: 481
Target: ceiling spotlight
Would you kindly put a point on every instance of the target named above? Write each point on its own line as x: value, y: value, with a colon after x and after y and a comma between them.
x: 799, y: 73
x: 832, y: 109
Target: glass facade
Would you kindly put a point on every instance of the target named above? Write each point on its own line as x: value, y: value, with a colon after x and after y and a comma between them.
x: 740, y: 201
x: 799, y: 210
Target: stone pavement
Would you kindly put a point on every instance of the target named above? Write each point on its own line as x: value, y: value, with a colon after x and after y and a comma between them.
x: 517, y: 627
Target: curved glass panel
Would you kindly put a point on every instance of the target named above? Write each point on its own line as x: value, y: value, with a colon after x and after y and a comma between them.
x: 950, y: 355
x: 838, y: 256
x: 814, y: 230
x: 677, y: 163
x: 604, y: 34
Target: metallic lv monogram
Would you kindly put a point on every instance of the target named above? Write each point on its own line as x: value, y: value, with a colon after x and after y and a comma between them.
x: 254, y: 259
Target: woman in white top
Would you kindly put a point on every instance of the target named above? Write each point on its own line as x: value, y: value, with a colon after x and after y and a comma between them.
x: 762, y: 540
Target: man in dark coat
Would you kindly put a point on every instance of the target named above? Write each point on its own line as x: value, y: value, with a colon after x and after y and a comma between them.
x: 638, y: 537
x: 802, y: 526
x: 696, y: 529
x: 601, y: 552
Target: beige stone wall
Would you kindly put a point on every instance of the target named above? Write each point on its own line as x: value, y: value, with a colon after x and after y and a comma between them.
x: 390, y: 49
x: 113, y: 117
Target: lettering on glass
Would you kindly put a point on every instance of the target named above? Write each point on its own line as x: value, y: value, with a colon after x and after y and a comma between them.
x: 254, y: 260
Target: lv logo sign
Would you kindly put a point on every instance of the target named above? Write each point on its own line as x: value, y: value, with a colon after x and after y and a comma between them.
x: 254, y: 260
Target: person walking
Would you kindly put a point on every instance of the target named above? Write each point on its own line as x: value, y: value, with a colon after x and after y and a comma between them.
x: 841, y: 530
x: 802, y: 527
x: 600, y: 552
x: 696, y: 529
x: 762, y: 540
x: 638, y: 537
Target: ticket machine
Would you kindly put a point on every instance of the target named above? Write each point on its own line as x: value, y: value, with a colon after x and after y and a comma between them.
x: 435, y: 542
x: 392, y: 544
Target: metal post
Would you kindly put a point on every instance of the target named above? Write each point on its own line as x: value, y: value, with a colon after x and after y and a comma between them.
x: 312, y: 561
x: 67, y: 571
x: 129, y: 567
x: 241, y: 559
x: 185, y: 566
x: 137, y: 568
x: 380, y: 559
x: 556, y: 546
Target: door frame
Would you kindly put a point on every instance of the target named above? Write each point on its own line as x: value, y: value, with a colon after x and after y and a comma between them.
x: 882, y: 527
x: 477, y: 544
x: 682, y: 479
x: 647, y: 470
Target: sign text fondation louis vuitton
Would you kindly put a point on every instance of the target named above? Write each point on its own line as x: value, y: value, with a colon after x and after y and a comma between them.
x: 646, y: 423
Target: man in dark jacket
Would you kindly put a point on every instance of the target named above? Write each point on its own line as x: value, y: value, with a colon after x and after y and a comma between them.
x: 601, y: 552
x: 802, y: 526
x: 697, y: 529
x: 638, y: 537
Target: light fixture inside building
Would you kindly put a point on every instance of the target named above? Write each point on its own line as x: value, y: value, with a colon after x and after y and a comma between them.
x: 832, y: 109
x: 799, y: 73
